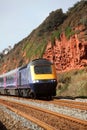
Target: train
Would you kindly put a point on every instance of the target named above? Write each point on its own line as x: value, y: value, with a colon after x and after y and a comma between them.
x: 36, y: 79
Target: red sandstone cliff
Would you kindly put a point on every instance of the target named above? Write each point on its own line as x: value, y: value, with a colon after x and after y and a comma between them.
x: 69, y: 54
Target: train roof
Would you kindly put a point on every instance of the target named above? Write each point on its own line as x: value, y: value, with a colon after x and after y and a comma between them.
x: 9, y: 73
x: 40, y: 61
x: 23, y: 67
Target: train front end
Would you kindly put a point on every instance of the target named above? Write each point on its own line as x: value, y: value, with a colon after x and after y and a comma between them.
x: 44, y: 80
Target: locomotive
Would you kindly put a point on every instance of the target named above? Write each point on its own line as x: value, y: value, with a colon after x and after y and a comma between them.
x: 36, y: 79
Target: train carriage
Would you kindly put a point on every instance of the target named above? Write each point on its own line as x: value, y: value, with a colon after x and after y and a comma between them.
x: 8, y: 82
x: 36, y: 79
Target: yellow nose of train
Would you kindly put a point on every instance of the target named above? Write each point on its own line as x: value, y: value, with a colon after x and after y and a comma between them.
x: 43, y: 76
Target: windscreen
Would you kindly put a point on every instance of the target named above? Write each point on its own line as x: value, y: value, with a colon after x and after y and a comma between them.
x: 43, y: 69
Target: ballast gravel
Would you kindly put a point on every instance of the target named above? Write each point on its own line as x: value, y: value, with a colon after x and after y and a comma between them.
x: 19, y: 123
x: 80, y: 114
x: 11, y: 121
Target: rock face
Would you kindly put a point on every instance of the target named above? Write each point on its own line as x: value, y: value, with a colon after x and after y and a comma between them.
x: 65, y: 53
x: 70, y: 53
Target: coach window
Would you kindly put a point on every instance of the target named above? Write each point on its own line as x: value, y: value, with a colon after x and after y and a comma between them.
x: 10, y: 79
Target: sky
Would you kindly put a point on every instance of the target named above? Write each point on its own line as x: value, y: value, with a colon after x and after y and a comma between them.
x: 18, y: 18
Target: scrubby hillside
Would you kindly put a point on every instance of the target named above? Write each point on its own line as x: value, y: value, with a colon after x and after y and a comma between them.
x: 72, y: 83
x: 32, y: 46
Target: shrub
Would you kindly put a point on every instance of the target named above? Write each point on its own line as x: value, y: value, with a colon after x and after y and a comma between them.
x: 55, y: 34
x: 68, y: 32
x: 83, y: 21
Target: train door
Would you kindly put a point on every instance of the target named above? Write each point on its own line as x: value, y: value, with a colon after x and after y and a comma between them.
x: 19, y: 78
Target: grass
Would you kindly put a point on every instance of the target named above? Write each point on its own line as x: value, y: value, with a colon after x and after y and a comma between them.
x: 55, y: 34
x: 35, y: 49
x: 73, y: 83
x: 68, y: 32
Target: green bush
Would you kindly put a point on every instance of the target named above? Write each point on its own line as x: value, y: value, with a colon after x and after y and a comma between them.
x: 83, y: 21
x: 73, y: 83
x: 55, y: 34
x: 68, y: 32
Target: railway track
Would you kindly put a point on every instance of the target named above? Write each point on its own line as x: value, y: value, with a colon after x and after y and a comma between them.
x: 66, y: 103
x: 71, y: 104
x: 45, y: 119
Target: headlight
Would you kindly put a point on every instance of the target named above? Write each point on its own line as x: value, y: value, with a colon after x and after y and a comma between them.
x: 53, y: 80
x: 35, y: 81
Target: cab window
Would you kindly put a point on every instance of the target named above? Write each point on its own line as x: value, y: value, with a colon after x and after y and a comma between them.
x: 43, y: 69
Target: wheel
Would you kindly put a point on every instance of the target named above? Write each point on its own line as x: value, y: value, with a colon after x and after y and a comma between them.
x: 32, y: 95
x: 49, y: 97
x: 20, y: 93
